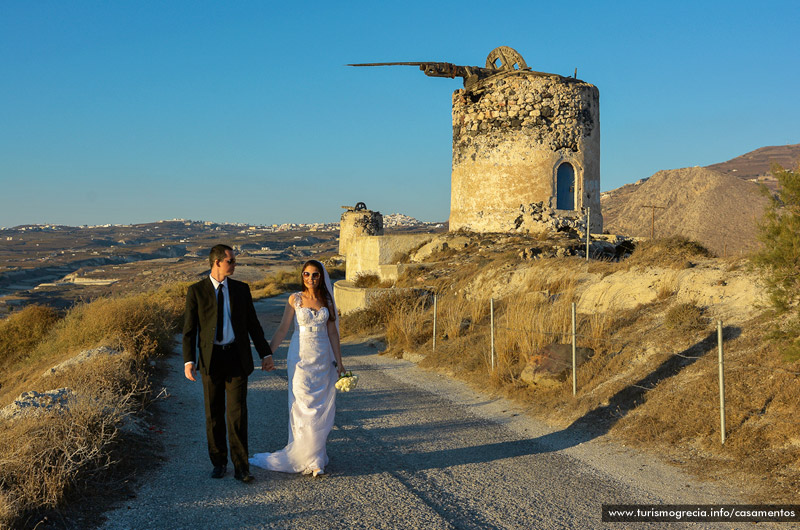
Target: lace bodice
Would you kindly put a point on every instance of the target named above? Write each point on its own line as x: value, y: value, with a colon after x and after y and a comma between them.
x: 305, y: 316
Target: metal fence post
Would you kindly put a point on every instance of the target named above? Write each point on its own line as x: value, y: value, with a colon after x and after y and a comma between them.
x: 491, y: 313
x: 574, y: 363
x: 434, y: 321
x: 588, y: 222
x: 721, y: 383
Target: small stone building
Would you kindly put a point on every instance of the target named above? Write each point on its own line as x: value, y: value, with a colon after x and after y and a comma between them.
x: 524, y: 141
x: 358, y: 221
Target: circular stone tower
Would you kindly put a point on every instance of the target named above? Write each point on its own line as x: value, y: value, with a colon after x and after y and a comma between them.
x: 524, y: 141
x: 357, y: 221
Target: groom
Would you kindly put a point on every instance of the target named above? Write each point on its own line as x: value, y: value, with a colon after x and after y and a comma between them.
x: 220, y: 312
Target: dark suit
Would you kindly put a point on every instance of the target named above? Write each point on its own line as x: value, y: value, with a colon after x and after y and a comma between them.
x: 223, y: 370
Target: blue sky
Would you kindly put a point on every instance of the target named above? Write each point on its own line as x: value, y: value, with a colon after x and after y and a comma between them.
x: 135, y: 111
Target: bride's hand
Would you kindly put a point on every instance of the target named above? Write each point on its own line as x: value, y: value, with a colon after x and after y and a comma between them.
x: 340, y: 369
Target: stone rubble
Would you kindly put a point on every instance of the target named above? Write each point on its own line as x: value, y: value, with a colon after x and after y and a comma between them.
x: 538, y: 216
x: 32, y: 403
x: 82, y: 357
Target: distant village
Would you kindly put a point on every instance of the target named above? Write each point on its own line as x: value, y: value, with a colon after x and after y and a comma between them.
x: 390, y: 221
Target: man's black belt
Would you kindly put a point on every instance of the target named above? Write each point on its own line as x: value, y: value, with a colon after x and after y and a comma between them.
x: 225, y: 347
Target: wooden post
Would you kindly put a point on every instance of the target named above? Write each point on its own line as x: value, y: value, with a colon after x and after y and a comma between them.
x: 491, y: 313
x: 653, y: 221
x: 434, y: 321
x: 588, y: 222
x: 574, y: 363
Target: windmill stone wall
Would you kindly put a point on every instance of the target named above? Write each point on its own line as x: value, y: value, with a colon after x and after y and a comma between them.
x: 515, y: 135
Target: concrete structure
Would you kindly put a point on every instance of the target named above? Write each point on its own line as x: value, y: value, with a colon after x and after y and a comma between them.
x: 356, y: 222
x: 524, y: 141
x: 378, y: 255
x: 381, y: 255
x: 350, y: 298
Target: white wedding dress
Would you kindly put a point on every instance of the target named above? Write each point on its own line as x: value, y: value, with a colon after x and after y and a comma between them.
x: 312, y: 395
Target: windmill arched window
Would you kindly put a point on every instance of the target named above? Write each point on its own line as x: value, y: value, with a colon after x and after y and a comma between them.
x: 565, y: 187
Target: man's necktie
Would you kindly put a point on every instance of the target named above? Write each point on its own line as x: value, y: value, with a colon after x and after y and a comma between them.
x: 220, y: 313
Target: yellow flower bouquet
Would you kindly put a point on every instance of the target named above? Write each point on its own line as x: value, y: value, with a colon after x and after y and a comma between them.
x: 347, y: 382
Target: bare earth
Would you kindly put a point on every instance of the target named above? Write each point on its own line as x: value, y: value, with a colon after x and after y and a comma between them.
x: 410, y: 449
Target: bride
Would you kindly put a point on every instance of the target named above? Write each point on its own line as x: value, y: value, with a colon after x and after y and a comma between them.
x: 314, y: 362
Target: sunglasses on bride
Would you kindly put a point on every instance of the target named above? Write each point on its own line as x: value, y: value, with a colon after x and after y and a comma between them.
x: 312, y: 275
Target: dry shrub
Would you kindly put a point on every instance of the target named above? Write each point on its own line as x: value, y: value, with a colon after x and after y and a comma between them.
x: 135, y: 324
x: 363, y: 320
x: 48, y: 456
x: 685, y: 317
x: 671, y: 252
x: 370, y: 281
x: 409, y: 326
x: 453, y: 319
x: 528, y: 326
x: 21, y: 331
x: 336, y: 269
x: 595, y: 330
x: 668, y: 287
x: 466, y: 355
x: 557, y: 275
x: 171, y: 297
x: 375, y: 317
x: 277, y: 283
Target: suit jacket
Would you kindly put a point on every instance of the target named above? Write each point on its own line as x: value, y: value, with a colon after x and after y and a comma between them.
x: 200, y: 321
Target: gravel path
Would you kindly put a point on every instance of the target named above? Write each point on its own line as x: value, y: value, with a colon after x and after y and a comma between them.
x: 410, y: 449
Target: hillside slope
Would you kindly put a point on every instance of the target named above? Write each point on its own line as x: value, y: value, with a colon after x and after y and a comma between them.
x: 715, y: 205
x: 756, y: 165
x: 647, y: 330
x: 717, y: 210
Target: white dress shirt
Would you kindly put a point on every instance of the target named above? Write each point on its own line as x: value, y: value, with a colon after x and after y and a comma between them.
x: 227, y: 327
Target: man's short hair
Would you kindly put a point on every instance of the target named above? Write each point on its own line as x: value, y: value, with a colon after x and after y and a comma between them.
x: 218, y: 253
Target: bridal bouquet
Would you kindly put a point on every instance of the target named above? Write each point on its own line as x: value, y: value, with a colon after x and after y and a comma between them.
x: 347, y: 382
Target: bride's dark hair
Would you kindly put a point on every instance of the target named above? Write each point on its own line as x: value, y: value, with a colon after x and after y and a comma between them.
x: 323, y: 289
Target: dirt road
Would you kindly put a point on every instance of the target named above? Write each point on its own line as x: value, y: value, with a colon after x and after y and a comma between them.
x: 410, y: 449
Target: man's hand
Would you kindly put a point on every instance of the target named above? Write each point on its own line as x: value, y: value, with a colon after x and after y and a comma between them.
x: 267, y: 364
x: 190, y: 371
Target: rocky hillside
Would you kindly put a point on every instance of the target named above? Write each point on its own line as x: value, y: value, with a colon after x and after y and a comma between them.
x: 717, y: 205
x: 756, y: 165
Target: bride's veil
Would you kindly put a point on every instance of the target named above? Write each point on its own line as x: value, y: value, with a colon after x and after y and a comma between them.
x: 329, y: 287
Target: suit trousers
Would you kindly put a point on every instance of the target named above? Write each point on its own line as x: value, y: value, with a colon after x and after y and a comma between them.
x: 225, y: 395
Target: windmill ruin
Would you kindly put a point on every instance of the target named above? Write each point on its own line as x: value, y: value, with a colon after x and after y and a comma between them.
x: 526, y: 145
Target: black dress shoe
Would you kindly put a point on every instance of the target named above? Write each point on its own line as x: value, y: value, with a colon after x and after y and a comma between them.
x: 244, y: 476
x: 219, y: 471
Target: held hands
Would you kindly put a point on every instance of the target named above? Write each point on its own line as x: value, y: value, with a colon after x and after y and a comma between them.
x: 190, y: 371
x: 267, y: 364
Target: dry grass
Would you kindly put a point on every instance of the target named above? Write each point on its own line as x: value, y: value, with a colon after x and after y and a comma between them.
x: 671, y: 252
x: 409, y: 326
x: 375, y: 317
x: 371, y: 281
x: 685, y: 317
x: 669, y: 286
x: 762, y: 392
x: 47, y: 456
x: 50, y: 456
x: 22, y: 331
x: 276, y: 283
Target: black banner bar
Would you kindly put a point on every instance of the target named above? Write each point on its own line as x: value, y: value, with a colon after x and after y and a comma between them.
x: 701, y: 513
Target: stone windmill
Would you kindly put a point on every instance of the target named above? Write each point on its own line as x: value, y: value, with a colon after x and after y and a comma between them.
x: 526, y: 145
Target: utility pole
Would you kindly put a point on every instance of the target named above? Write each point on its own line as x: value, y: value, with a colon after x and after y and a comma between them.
x: 653, y: 222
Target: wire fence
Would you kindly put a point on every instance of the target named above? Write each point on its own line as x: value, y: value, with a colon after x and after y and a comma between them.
x: 572, y: 337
